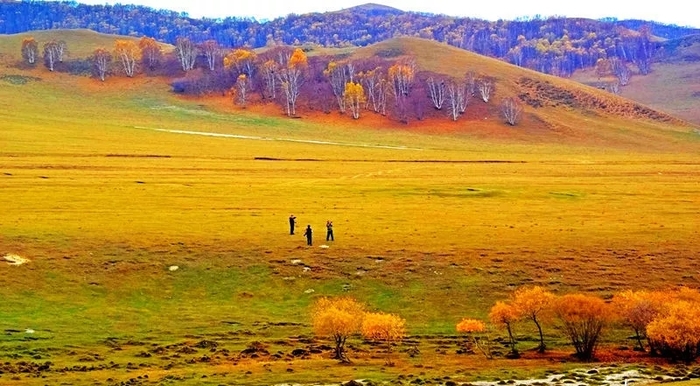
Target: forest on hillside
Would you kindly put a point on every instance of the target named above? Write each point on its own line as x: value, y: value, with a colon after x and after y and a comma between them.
x: 554, y: 45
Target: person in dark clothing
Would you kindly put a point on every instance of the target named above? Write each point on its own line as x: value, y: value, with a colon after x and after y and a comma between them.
x: 308, y: 235
x: 292, y: 222
x: 329, y: 232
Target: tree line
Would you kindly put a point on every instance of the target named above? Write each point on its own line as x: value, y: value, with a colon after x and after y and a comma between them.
x: 555, y: 45
x: 665, y: 323
x: 396, y: 89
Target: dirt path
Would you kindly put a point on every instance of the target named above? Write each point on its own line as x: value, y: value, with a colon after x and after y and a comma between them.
x: 256, y: 138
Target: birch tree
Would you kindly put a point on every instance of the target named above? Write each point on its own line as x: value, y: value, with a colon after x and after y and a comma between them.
x: 511, y: 109
x: 291, y: 77
x: 30, y: 50
x: 101, y: 59
x: 355, y: 96
x: 212, y: 52
x: 50, y: 54
x: 127, y: 52
x: 437, y: 90
x: 186, y: 52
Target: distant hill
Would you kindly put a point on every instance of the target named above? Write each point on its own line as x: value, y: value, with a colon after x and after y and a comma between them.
x: 674, y: 84
x: 555, y: 109
x: 555, y: 45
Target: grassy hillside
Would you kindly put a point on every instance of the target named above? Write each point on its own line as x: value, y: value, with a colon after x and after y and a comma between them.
x: 105, y: 187
x: 80, y: 43
x: 673, y: 85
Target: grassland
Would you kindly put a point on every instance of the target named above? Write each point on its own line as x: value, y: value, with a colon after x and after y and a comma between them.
x: 431, y: 223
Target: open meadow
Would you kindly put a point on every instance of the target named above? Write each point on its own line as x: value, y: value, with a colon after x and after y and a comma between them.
x: 105, y: 189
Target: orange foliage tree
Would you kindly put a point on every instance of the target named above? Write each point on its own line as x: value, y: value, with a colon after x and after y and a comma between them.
x: 242, y: 86
x: 101, y: 59
x: 584, y: 317
x: 383, y: 327
x: 535, y: 304
x: 337, y: 318
x: 51, y: 54
x: 291, y: 77
x: 636, y: 309
x: 242, y: 59
x: 472, y: 328
x: 504, y: 315
x: 30, y: 50
x: 676, y: 334
x: 151, y: 52
x: 355, y: 97
x: 127, y: 51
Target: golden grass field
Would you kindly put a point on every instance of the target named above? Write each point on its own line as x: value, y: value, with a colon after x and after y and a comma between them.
x: 433, y: 222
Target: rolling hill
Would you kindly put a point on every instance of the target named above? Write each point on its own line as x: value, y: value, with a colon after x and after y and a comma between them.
x: 673, y: 85
x: 556, y: 109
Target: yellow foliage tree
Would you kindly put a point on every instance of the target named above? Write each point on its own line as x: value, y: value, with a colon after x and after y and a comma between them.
x: 242, y: 86
x: 242, y: 59
x: 584, y: 317
x: 355, y: 98
x: 472, y: 328
x: 636, y: 309
x: 535, y: 304
x: 677, y: 333
x: 127, y: 51
x: 291, y: 77
x: 337, y: 318
x: 505, y: 315
x: 383, y: 327
x: 151, y: 52
x: 30, y: 50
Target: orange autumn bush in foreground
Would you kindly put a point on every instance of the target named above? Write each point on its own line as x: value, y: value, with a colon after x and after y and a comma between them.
x: 669, y: 321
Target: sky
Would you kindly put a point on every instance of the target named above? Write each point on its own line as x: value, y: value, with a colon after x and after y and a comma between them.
x: 668, y: 11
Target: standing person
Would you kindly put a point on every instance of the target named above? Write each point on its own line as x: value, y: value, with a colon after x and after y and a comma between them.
x: 329, y: 230
x: 292, y: 222
x: 308, y: 235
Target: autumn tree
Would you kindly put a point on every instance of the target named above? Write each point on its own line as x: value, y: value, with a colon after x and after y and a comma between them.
x: 243, y: 60
x: 676, y: 333
x: 485, y: 86
x: 354, y: 95
x: 381, y: 327
x: 186, y: 53
x: 438, y: 91
x: 269, y: 70
x: 504, y: 315
x: 458, y: 98
x: 337, y: 318
x: 473, y: 328
x: 511, y: 109
x: 61, y: 50
x: 535, y: 304
x: 584, y: 317
x: 151, y: 53
x: 50, y: 54
x: 242, y: 87
x: 212, y: 52
x: 401, y: 76
x: 636, y: 309
x: 127, y: 52
x: 291, y: 77
x: 101, y: 58
x: 377, y: 89
x: 338, y: 77
x: 30, y: 50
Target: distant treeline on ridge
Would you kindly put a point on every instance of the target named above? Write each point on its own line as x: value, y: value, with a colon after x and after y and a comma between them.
x: 554, y: 45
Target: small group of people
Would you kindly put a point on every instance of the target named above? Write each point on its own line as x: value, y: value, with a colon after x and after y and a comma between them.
x: 308, y: 233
